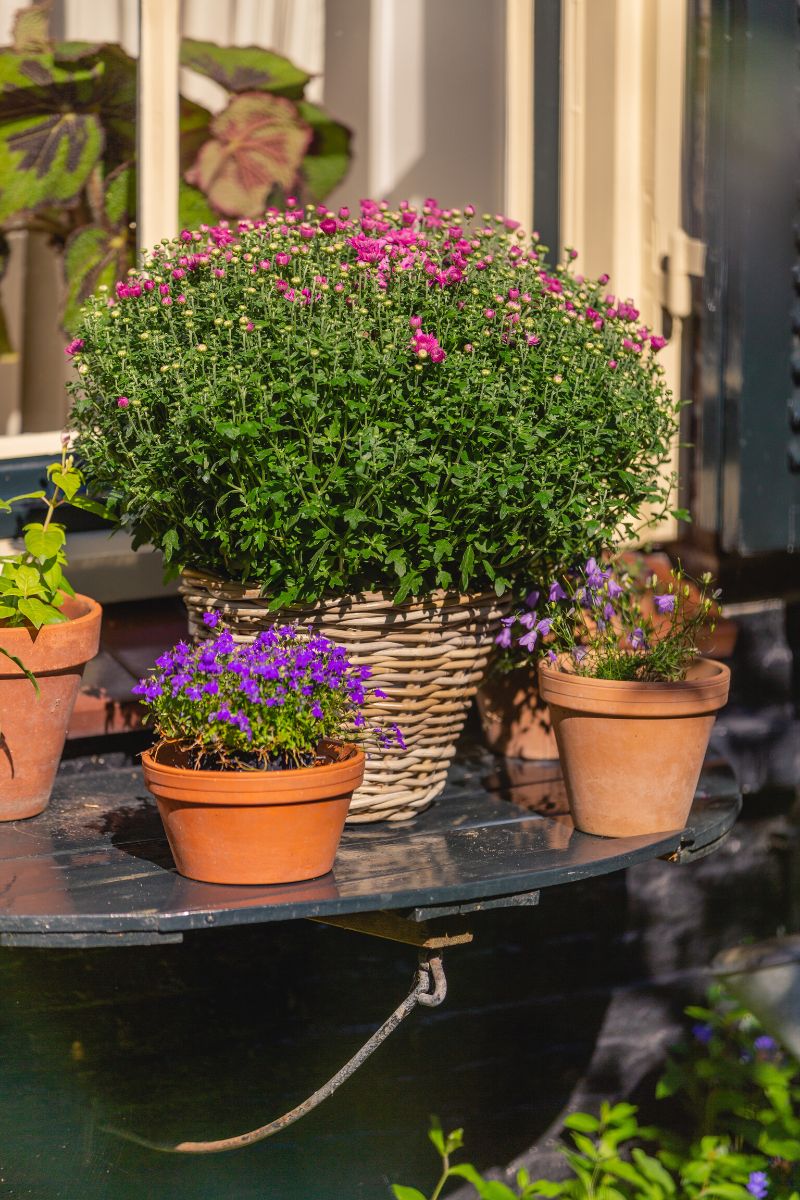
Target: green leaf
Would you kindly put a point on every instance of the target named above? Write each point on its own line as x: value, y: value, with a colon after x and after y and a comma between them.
x: 93, y: 256
x: 7, y: 611
x: 244, y: 68
x: 50, y: 136
x: 170, y: 543
x: 69, y: 481
x: 328, y: 157
x: 193, y: 208
x: 583, y: 1122
x: 92, y: 506
x: 28, y: 580
x: 467, y: 564
x: 44, y: 543
x: 40, y: 614
x: 119, y: 202
x: 407, y: 1193
x: 256, y: 143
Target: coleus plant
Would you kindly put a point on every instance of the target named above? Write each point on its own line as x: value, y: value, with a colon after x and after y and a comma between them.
x: 68, y: 151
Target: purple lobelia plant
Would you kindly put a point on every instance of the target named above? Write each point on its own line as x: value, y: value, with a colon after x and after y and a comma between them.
x: 264, y: 705
x: 606, y: 623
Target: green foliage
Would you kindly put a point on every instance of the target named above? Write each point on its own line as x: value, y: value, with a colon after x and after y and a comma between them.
x: 67, y: 146
x: 32, y: 583
x: 283, y: 424
x: 739, y: 1094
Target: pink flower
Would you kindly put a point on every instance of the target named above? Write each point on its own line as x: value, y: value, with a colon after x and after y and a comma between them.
x: 178, y: 273
x: 468, y: 348
x: 164, y: 289
x: 532, y: 339
x: 612, y: 362
x: 122, y: 401
x: 488, y: 313
x: 219, y: 272
x: 329, y: 225
x: 74, y: 347
x: 181, y: 299
x: 426, y: 345
x: 415, y: 322
x: 658, y: 342
x: 283, y: 259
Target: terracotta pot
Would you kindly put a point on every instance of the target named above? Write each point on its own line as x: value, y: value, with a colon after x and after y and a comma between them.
x: 33, y: 729
x: 254, y: 826
x: 631, y: 753
x: 516, y: 721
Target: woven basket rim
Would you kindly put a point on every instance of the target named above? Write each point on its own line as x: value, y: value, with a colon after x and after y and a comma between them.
x: 192, y: 577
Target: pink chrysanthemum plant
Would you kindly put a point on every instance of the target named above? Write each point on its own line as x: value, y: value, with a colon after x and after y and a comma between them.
x: 400, y: 399
x: 604, y: 622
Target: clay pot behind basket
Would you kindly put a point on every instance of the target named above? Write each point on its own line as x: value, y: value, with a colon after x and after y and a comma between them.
x: 631, y: 753
x: 516, y: 722
x: 33, y: 730
x: 254, y: 826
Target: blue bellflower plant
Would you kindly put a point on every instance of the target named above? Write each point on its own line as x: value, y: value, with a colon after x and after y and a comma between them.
x: 268, y: 704
x: 595, y: 622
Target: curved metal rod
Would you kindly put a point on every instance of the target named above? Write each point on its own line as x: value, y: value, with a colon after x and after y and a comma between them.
x: 429, y: 989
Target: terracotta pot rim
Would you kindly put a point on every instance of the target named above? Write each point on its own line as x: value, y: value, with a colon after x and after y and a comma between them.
x: 717, y: 673
x: 94, y: 609
x: 685, y: 697
x: 247, y: 788
x: 355, y: 752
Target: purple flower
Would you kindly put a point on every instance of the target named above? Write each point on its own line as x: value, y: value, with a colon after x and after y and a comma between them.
x: 702, y: 1033
x: 503, y: 638
x: 594, y: 576
x: 614, y: 589
x: 765, y: 1043
x: 556, y: 592
x: 529, y: 639
x: 211, y: 619
x: 608, y: 611
x: 316, y: 711
x: 758, y: 1184
x: 665, y: 603
x: 544, y: 627
x: 552, y: 656
x: 579, y: 653
x: 637, y: 639
x: 398, y: 736
x: 528, y: 619
x: 532, y: 599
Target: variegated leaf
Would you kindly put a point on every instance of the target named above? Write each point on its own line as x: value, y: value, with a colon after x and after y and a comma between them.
x: 257, y: 142
x: 46, y: 160
x: 244, y: 68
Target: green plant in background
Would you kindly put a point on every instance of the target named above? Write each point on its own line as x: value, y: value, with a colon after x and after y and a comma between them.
x: 399, y: 400
x: 734, y: 1135
x: 32, y: 583
x: 68, y: 150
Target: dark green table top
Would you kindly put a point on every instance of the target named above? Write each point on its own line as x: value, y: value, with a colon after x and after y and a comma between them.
x: 95, y: 868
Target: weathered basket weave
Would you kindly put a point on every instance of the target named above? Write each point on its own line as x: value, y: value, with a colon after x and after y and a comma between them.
x: 428, y: 656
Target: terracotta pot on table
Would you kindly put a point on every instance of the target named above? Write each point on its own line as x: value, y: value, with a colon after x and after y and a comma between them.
x: 516, y: 721
x: 33, y: 729
x: 254, y: 826
x: 631, y: 753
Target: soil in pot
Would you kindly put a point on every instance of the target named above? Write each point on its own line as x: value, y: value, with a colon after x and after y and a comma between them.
x: 631, y: 753
x: 33, y: 729
x: 241, y: 827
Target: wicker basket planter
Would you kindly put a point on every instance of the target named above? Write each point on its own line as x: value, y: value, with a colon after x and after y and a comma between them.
x: 428, y: 656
